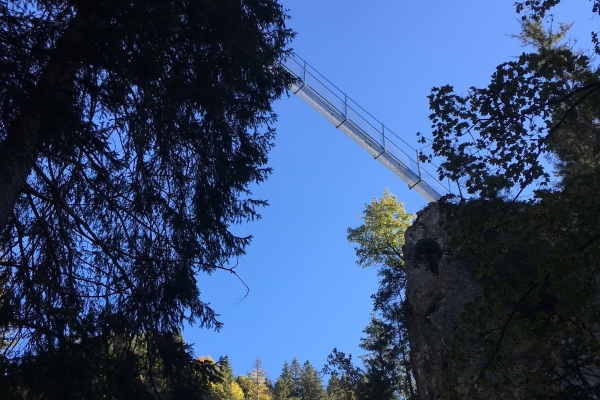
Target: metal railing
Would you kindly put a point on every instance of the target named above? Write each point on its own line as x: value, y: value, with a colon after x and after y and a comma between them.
x: 372, y: 135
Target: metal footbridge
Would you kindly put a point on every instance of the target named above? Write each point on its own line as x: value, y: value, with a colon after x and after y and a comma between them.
x: 372, y: 135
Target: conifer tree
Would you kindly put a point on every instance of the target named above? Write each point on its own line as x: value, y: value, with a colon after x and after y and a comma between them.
x: 339, y: 389
x: 129, y: 134
x: 228, y: 388
x: 285, y: 386
x: 311, y: 386
x: 380, y: 238
x: 257, y: 383
x: 296, y: 370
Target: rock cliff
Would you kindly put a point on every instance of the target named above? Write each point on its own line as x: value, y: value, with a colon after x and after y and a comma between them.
x: 447, y: 355
x: 437, y: 290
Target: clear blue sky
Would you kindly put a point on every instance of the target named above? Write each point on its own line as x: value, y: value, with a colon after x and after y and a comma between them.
x: 306, y: 293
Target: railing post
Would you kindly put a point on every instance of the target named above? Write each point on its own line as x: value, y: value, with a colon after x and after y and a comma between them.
x: 319, y: 102
x: 304, y: 72
x: 418, y: 164
x: 345, y: 110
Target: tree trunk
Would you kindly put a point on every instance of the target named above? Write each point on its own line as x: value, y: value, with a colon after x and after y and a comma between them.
x: 26, y: 136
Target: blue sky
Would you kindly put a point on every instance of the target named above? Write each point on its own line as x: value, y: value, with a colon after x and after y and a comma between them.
x: 306, y: 293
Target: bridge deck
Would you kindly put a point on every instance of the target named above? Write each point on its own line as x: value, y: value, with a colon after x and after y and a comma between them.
x: 365, y: 130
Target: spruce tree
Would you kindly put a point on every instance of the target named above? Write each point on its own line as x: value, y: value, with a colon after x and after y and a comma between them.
x: 285, y: 386
x: 311, y: 386
x: 340, y: 388
x: 296, y: 370
x: 129, y: 135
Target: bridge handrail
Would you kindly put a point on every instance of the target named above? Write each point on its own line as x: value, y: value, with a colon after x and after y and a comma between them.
x: 390, y: 143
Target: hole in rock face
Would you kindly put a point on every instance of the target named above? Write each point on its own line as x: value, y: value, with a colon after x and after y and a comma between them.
x: 428, y: 251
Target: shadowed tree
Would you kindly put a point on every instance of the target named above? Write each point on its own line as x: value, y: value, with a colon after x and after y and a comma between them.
x: 535, y: 333
x: 129, y: 133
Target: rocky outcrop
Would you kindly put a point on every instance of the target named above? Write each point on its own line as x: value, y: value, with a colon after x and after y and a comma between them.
x: 447, y: 356
x: 437, y: 290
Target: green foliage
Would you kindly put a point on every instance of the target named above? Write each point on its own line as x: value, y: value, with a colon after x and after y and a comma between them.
x: 387, y: 372
x: 535, y: 331
x: 339, y: 388
x: 298, y: 382
x: 536, y: 9
x: 311, y: 387
x: 386, y: 360
x: 539, y: 270
x: 534, y: 35
x: 256, y: 383
x: 286, y: 387
x: 381, y: 236
x: 227, y: 388
x: 493, y: 139
x: 348, y: 376
x: 150, y: 367
x: 129, y: 134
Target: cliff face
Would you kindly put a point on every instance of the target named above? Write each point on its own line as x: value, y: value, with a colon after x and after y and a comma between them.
x: 437, y: 290
x: 447, y: 355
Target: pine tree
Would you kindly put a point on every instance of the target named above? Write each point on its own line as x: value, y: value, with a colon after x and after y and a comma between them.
x: 340, y: 388
x: 296, y: 371
x: 129, y: 134
x: 311, y: 386
x: 383, y: 369
x: 228, y: 388
x: 285, y: 386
